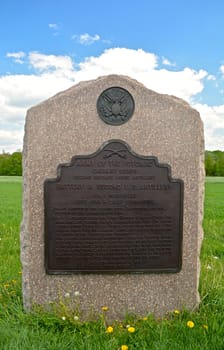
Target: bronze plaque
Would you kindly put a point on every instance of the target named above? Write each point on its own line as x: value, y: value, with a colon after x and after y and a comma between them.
x: 113, y: 211
x: 115, y: 105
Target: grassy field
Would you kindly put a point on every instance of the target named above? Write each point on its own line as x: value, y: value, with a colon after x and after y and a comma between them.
x: 51, y: 331
x: 214, y: 179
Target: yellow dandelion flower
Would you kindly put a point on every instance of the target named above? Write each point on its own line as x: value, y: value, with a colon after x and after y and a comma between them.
x: 205, y: 326
x: 124, y: 347
x: 176, y: 312
x: 131, y: 329
x: 190, y: 324
x: 145, y: 318
x: 109, y: 329
x: 105, y: 308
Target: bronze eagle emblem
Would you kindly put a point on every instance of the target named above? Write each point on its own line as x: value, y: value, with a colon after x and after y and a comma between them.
x: 115, y: 105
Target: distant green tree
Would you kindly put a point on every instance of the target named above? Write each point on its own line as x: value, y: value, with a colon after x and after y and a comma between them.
x: 214, y: 163
x: 15, y: 164
x: 210, y: 163
x: 11, y: 164
x: 219, y: 163
x: 4, y: 158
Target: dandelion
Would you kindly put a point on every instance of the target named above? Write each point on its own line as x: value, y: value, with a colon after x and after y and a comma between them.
x: 109, y: 329
x: 176, y: 312
x: 205, y: 326
x: 131, y: 329
x: 76, y: 318
x: 63, y: 318
x: 105, y: 308
x: 145, y: 318
x: 124, y: 347
x: 190, y: 324
x: 76, y: 293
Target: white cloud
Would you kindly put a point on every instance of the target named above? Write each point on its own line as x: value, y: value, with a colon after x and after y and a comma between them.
x: 44, y: 62
x: 26, y: 90
x: 19, y: 92
x: 10, y: 141
x: 53, y: 26
x: 184, y: 84
x: 143, y: 66
x: 213, y: 118
x: 52, y: 73
x: 211, y: 77
x: 86, y: 39
x: 117, y: 61
x: 57, y: 65
x: 17, y: 56
x: 222, y: 69
x: 166, y: 62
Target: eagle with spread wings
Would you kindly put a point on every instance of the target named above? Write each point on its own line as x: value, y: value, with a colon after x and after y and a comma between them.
x: 115, y: 105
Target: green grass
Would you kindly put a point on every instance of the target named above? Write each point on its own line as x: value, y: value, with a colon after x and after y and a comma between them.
x: 214, y: 179
x: 10, y: 179
x: 40, y: 330
x: 10, y: 218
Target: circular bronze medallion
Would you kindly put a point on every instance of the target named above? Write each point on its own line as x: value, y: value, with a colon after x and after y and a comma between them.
x: 115, y: 106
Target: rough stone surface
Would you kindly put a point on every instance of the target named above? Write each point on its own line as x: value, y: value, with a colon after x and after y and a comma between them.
x: 67, y: 125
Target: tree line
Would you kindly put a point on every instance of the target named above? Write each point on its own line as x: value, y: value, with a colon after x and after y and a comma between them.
x: 11, y: 164
x: 214, y: 163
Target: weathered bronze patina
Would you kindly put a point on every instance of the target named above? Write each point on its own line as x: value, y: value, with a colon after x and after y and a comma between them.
x: 115, y: 106
x: 113, y: 211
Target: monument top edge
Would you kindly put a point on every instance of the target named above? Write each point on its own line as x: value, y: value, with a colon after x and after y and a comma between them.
x: 106, y: 81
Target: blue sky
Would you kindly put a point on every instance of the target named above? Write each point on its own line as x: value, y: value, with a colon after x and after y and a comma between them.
x: 173, y: 47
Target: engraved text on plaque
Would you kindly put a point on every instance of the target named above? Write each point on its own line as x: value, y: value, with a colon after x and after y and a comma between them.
x: 113, y: 211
